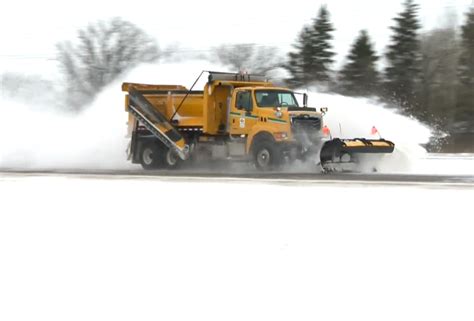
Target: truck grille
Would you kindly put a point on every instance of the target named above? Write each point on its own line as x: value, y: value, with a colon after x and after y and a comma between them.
x: 305, y: 124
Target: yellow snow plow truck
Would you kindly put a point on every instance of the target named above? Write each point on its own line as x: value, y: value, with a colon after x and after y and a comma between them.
x: 236, y: 117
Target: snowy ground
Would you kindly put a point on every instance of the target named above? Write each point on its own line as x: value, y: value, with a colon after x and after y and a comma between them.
x: 156, y: 249
x: 444, y: 164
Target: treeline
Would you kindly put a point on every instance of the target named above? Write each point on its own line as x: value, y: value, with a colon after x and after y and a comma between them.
x: 428, y: 76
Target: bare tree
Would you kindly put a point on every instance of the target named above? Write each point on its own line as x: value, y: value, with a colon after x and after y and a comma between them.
x: 440, y: 50
x: 249, y: 57
x: 104, y: 50
x: 438, y: 82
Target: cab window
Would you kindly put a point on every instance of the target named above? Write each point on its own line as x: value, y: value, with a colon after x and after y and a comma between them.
x: 275, y: 98
x: 244, y: 100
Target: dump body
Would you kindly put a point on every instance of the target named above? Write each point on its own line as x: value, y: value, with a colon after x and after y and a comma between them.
x: 207, y: 110
x: 233, y: 117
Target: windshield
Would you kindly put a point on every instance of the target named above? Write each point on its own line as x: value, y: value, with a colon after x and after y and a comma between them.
x: 275, y: 98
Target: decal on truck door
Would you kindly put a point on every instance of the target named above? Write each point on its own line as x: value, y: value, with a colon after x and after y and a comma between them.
x: 242, y: 122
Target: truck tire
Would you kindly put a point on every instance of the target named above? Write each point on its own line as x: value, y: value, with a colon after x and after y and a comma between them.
x: 170, y: 159
x: 150, y: 156
x: 267, y: 155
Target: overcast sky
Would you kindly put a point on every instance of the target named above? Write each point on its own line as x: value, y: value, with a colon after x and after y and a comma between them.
x: 30, y: 29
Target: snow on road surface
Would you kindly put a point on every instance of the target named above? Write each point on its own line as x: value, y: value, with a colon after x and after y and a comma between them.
x: 445, y: 164
x: 152, y: 249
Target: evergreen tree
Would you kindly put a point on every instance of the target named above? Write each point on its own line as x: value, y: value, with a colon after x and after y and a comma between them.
x: 359, y: 77
x: 464, y: 118
x: 322, y: 55
x: 311, y: 62
x: 299, y: 61
x: 403, y: 59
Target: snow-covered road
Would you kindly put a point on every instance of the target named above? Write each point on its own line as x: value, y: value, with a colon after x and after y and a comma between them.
x: 154, y: 248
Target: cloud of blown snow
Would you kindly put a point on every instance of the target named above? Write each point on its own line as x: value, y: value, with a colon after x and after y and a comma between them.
x: 31, y: 137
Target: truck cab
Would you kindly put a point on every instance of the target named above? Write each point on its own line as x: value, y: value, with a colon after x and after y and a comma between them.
x: 272, y: 116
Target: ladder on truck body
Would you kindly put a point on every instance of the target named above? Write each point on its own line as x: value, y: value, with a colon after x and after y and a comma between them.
x: 156, y: 123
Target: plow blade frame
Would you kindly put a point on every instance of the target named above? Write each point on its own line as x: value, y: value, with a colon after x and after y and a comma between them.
x: 337, y: 147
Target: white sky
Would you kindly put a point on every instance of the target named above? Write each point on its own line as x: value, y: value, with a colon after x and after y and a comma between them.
x: 29, y: 29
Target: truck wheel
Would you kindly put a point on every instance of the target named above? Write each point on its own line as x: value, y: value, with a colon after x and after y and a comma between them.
x: 171, y: 159
x: 150, y: 156
x: 267, y: 155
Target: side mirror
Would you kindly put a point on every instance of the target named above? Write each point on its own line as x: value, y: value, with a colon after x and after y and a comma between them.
x: 305, y: 100
x: 324, y: 110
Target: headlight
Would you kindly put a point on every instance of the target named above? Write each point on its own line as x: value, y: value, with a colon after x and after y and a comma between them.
x: 281, y: 135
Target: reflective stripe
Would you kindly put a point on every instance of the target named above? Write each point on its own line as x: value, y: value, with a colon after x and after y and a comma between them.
x: 279, y: 121
x: 354, y: 143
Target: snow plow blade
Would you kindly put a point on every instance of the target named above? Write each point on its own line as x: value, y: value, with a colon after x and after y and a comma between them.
x: 337, y: 148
